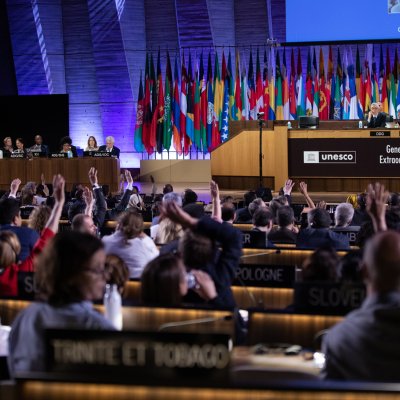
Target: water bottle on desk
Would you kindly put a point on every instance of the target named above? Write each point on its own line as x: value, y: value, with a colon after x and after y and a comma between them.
x: 360, y: 124
x: 113, y: 306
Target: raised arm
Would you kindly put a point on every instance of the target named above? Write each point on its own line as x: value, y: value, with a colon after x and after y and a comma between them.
x: 377, y: 198
x: 216, y: 202
x: 14, y: 187
x: 304, y: 192
x: 99, y: 201
x: 59, y: 197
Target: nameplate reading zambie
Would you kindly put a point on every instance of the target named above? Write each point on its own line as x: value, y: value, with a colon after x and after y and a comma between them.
x: 379, y: 133
x: 59, y: 155
x: 142, y: 357
x: 265, y: 275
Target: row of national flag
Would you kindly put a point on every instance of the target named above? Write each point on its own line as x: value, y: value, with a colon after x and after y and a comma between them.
x: 190, y: 109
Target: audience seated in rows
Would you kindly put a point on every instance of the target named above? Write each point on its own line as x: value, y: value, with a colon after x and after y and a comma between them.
x: 286, y: 232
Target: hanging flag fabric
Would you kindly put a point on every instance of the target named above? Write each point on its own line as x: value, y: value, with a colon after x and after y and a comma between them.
x: 189, y: 137
x: 353, y: 91
x: 157, y: 124
x: 300, y: 88
x: 183, y: 103
x: 218, y: 94
x: 176, y: 111
x: 374, y: 80
x: 259, y: 86
x: 292, y: 89
x: 278, y: 89
x: 231, y: 88
x: 330, y: 85
x: 203, y: 107
x: 210, y: 103
x: 285, y: 88
x: 271, y: 84
x: 309, y: 87
x: 237, y: 107
x: 360, y: 89
x: 323, y: 95
x: 138, y: 143
x: 167, y: 134
x: 245, y: 90
x: 338, y: 106
x: 197, y: 107
x: 315, y: 86
x: 265, y: 87
x: 147, y: 115
x: 251, y: 92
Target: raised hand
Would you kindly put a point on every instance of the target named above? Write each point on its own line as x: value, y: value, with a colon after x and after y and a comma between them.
x: 377, y: 198
x: 128, y: 176
x: 303, y: 188
x: 87, y: 196
x: 287, y: 189
x: 214, y: 190
x: 58, y: 189
x: 15, y: 186
x: 175, y: 213
x: 205, y: 287
x: 93, y: 176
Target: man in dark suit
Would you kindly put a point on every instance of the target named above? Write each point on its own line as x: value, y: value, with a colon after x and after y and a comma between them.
x: 39, y: 147
x: 376, y: 119
x: 319, y: 234
x: 109, y: 147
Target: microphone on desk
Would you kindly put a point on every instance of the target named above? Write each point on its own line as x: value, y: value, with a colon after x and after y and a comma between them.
x: 197, y: 321
x: 260, y: 114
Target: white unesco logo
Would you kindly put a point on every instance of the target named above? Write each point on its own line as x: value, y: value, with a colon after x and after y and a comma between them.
x: 329, y: 157
x: 311, y: 157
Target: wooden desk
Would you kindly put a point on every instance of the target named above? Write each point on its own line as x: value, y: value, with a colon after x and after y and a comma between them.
x: 74, y: 170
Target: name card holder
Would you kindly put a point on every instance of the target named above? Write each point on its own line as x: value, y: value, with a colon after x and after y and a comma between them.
x: 379, y: 133
x: 260, y: 275
x: 163, y: 358
x: 58, y: 155
x: 17, y: 155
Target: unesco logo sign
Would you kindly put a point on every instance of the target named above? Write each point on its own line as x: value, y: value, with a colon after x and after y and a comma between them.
x: 329, y: 157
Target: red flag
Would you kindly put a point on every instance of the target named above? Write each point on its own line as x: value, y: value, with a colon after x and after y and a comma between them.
x: 183, y: 102
x: 323, y: 99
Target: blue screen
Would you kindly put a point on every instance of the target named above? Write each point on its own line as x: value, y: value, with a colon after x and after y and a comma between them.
x: 322, y: 20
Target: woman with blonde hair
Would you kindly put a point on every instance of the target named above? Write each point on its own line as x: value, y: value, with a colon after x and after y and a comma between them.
x: 130, y: 243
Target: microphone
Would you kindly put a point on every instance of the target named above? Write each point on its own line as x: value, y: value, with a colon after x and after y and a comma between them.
x: 197, y: 321
x: 260, y: 114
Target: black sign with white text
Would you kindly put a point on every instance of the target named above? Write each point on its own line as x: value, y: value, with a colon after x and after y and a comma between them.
x: 265, y: 275
x: 360, y: 157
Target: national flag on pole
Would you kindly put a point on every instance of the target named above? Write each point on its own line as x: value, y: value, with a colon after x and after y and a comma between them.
x: 309, y: 87
x: 285, y: 88
x: 315, y: 86
x: 278, y: 89
x: 265, y: 86
x: 218, y: 94
x: 292, y: 89
x: 323, y: 95
x: 346, y: 89
x: 237, y: 108
x: 271, y: 85
x: 360, y: 89
x: 189, y: 138
x: 383, y: 84
x: 300, y: 88
x: 245, y: 89
x: 367, y: 87
x: 259, y: 87
x: 203, y: 107
x: 210, y: 103
x: 183, y: 103
x: 337, y: 107
x: 197, y: 106
x: 231, y: 89
x: 139, y: 119
x: 353, y: 91
x: 374, y: 80
x: 176, y: 111
x: 168, y: 106
x: 393, y: 91
x: 158, y: 116
x: 225, y: 105
x: 251, y: 93
x: 330, y: 85
x: 147, y: 115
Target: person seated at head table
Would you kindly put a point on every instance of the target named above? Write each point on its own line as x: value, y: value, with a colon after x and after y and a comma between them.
x: 376, y: 119
x: 20, y: 149
x: 66, y: 146
x: 39, y: 147
x: 7, y: 147
x: 109, y: 147
x: 92, y: 144
x: 70, y: 275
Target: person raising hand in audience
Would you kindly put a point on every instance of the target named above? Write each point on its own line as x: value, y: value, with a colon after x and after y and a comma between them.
x: 10, y: 245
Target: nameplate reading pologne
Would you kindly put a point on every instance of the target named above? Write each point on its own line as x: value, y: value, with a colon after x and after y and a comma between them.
x: 379, y: 133
x: 59, y: 155
x: 17, y: 155
x: 265, y: 275
x: 139, y: 356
